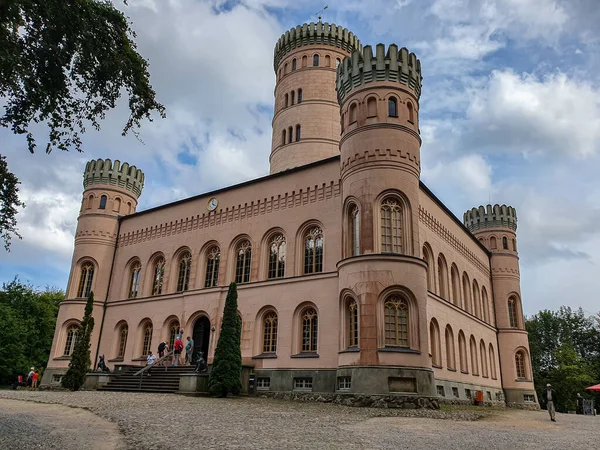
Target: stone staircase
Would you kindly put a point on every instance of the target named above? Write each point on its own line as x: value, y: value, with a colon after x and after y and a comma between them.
x: 159, y: 381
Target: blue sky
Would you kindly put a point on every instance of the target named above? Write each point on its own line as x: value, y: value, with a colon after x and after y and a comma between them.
x: 510, y: 112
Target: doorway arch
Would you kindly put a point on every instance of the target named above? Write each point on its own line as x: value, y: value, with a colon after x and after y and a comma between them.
x: 201, y: 336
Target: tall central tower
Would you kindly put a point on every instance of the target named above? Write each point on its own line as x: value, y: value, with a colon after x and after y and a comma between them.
x: 306, y: 124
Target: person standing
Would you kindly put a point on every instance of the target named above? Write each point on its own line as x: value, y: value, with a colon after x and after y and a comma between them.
x: 189, y: 350
x: 162, y: 347
x: 30, y: 378
x: 177, y: 348
x: 36, y: 375
x: 551, y: 401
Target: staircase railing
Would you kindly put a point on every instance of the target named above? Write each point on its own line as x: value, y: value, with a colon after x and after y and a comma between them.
x: 151, y: 366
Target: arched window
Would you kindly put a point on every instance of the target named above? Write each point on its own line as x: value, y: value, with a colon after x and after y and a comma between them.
x: 372, y: 107
x: 443, y: 276
x: 434, y: 342
x: 309, y: 330
x: 486, y: 305
x: 103, y: 202
x: 483, y: 357
x: 117, y: 205
x: 492, y: 362
x: 338, y: 61
x: 159, y: 275
x: 512, y: 313
x: 428, y: 257
x: 514, y: 241
x: 213, y: 258
x: 85, y: 280
x: 504, y: 243
x: 243, y: 263
x: 297, y: 133
x: 354, y: 230
x: 462, y: 352
x: 122, y: 341
x: 467, y: 294
x: 450, y: 353
x: 290, y: 129
x: 285, y: 68
x: 277, y: 256
x: 299, y: 96
x: 327, y: 61
x: 185, y: 267
x: 396, y: 322
x: 313, y: 251
x: 392, y: 107
x: 134, y: 279
x: 353, y: 115
x: 304, y: 61
x: 286, y: 100
x: 391, y: 226
x: 411, y: 114
x: 316, y: 60
x: 456, y: 287
x: 129, y: 208
x: 292, y: 97
x: 493, y: 245
x: 352, y: 323
x: 293, y: 64
x: 270, y: 333
x: 71, y: 339
x: 283, y: 137
x: 474, y: 362
x: 173, y: 332
x: 476, y: 300
x: 90, y: 202
x: 520, y: 365
x: 147, y: 338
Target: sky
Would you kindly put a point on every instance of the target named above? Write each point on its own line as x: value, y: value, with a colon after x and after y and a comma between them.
x: 509, y: 113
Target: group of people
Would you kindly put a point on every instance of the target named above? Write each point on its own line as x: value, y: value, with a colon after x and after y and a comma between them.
x: 31, y: 382
x: 163, y: 349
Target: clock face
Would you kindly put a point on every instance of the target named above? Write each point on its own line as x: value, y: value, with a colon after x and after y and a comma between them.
x: 212, y: 204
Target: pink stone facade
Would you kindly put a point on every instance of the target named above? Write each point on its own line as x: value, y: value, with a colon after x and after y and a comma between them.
x: 352, y: 276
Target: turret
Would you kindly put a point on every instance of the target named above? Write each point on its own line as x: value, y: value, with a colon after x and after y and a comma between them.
x: 496, y: 227
x: 378, y: 95
x: 306, y: 125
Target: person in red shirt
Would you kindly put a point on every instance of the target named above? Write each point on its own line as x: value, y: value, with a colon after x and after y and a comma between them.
x: 177, y: 347
x: 35, y: 379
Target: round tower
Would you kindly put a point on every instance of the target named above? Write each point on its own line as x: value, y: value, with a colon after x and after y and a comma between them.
x: 306, y: 123
x: 495, y: 227
x: 382, y: 271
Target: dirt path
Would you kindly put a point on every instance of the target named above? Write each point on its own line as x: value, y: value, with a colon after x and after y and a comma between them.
x: 27, y: 425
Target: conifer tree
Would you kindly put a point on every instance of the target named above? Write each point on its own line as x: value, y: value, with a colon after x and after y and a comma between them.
x: 80, y: 358
x: 227, y: 364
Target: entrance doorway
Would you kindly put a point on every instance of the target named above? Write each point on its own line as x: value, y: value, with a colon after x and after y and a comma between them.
x: 201, y: 336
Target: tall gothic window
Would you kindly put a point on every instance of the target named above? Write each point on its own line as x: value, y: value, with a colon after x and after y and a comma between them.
x: 158, y: 276
x: 277, y: 256
x: 483, y: 357
x: 286, y: 100
x: 294, y: 64
x: 243, y: 263
x: 270, y: 333
x: 309, y: 330
x: 293, y: 97
x: 520, y: 364
x: 213, y: 258
x: 134, y: 280
x: 185, y: 267
x: 147, y: 339
x: 71, y: 340
x: 290, y: 130
x: 316, y: 60
x: 103, y: 202
x: 504, y: 243
x: 392, y: 107
x: 298, y: 129
x: 313, y: 251
x: 123, y: 332
x: 352, y: 324
x: 283, y: 137
x: 474, y: 362
x: 462, y: 352
x: 435, y: 343
x: 512, y: 312
x: 411, y: 114
x: 450, y: 353
x: 492, y: 362
x: 85, y: 280
x: 299, y: 96
x: 443, y: 277
x: 173, y: 331
x: 396, y: 322
x: 354, y: 229
x: 391, y: 226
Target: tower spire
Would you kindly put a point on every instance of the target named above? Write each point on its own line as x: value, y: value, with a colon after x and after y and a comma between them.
x: 320, y: 13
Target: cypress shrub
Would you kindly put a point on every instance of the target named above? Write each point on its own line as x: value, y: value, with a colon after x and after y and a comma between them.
x: 80, y: 359
x: 227, y: 364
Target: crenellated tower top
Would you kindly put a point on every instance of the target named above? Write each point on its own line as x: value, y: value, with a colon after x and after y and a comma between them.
x: 394, y: 65
x: 490, y: 217
x: 104, y: 171
x: 315, y: 34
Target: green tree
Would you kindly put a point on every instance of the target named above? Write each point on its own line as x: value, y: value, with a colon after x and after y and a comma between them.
x: 227, y: 364
x: 9, y: 202
x: 27, y: 321
x: 571, y: 376
x: 80, y: 359
x: 65, y: 63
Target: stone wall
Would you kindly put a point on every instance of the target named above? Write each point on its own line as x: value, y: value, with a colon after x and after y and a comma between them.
x: 358, y: 400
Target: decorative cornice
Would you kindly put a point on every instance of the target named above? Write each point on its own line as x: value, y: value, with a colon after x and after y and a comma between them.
x: 362, y: 67
x: 315, y: 34
x: 490, y: 217
x: 105, y: 172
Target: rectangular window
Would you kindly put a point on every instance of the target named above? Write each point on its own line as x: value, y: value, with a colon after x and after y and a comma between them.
x: 468, y: 393
x: 263, y: 383
x: 528, y: 398
x: 488, y: 396
x: 455, y: 392
x: 303, y: 383
x: 344, y: 383
x: 56, y: 378
x: 440, y: 391
x: 499, y: 396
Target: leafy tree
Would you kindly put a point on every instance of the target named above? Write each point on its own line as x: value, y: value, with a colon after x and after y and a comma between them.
x: 27, y: 321
x: 9, y: 202
x: 66, y: 63
x: 80, y: 359
x: 571, y: 376
x: 227, y: 364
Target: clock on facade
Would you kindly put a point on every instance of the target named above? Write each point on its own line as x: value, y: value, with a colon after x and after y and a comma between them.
x: 212, y: 204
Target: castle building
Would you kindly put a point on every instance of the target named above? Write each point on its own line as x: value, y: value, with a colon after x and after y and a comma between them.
x: 352, y: 275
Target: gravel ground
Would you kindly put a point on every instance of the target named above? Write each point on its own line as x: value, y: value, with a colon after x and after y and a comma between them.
x: 157, y: 421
